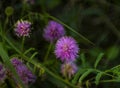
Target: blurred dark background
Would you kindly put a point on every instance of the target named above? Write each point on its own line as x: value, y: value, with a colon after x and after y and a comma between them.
x: 97, y: 20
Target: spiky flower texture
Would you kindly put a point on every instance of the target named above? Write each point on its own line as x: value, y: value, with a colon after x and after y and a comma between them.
x: 66, y: 49
x: 2, y: 73
x: 22, y: 28
x: 68, y: 69
x: 53, y: 31
x: 25, y: 74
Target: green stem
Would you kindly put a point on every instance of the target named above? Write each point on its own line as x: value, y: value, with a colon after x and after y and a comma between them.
x: 107, y: 81
x: 6, y: 22
x: 104, y: 73
x: 48, y: 51
x: 112, y: 68
x: 39, y: 65
x: 66, y: 75
x: 8, y: 64
x: 73, y: 30
x: 4, y: 28
x: 23, y: 41
x: 103, y: 81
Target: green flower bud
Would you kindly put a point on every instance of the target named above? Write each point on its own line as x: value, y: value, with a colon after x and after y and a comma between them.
x: 9, y: 11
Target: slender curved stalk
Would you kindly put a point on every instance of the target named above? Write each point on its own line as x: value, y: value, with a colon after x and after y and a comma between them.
x: 48, y: 51
x: 103, y: 81
x: 23, y: 41
x: 39, y: 65
x: 73, y: 30
x: 104, y: 73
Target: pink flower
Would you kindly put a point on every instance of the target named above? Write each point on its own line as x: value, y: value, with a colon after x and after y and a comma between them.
x: 68, y: 69
x: 53, y: 31
x: 25, y: 74
x: 66, y: 49
x: 22, y: 28
x: 2, y: 73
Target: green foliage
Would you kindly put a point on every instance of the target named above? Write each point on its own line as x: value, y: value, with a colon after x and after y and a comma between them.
x: 77, y: 76
x: 30, y: 49
x: 98, y: 59
x: 97, y: 78
x: 113, y: 52
x: 95, y: 26
x: 7, y: 62
x: 9, y: 11
x: 85, y: 75
x: 116, y: 72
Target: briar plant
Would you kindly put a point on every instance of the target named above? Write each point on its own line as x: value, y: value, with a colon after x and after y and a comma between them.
x: 39, y: 50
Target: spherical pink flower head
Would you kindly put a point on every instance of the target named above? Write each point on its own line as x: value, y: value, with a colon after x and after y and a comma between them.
x: 53, y: 31
x: 68, y: 69
x: 66, y: 49
x: 25, y: 74
x: 22, y: 28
